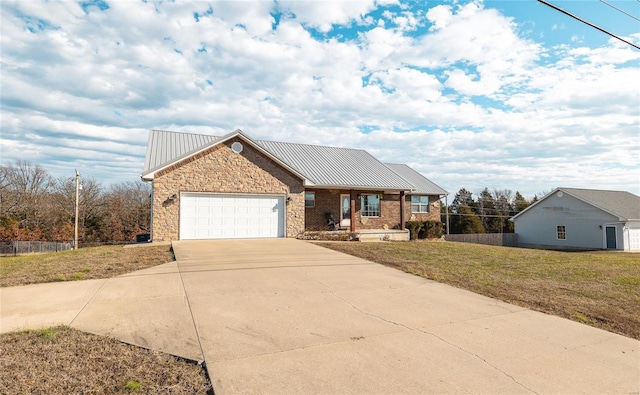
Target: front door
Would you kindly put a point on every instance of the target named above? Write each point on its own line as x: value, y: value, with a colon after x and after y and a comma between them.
x: 345, y: 211
x: 610, y: 233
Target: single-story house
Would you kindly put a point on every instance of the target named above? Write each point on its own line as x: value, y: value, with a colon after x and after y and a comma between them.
x: 208, y: 187
x: 573, y: 219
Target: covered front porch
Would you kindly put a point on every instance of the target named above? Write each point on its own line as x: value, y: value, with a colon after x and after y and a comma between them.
x: 355, y: 210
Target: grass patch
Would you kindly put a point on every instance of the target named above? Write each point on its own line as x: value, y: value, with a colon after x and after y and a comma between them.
x: 82, y: 264
x: 597, y: 288
x: 62, y: 360
x: 133, y: 385
x: 47, y: 333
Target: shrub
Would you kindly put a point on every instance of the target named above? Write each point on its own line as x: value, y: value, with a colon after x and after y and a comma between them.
x: 425, y: 229
x: 414, y: 228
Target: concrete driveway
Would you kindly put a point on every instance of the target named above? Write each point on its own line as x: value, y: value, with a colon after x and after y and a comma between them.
x: 286, y: 316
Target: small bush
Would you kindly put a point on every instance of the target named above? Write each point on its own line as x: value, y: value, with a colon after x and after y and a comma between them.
x: 425, y: 229
x: 414, y: 228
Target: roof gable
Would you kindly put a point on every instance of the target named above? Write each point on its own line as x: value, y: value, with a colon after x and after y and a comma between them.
x: 621, y: 204
x: 158, y: 153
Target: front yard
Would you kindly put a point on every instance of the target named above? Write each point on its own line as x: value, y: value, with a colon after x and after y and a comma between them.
x: 601, y: 288
x: 62, y: 360
x: 82, y: 264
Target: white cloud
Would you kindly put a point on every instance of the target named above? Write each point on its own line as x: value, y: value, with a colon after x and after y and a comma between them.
x: 470, y: 101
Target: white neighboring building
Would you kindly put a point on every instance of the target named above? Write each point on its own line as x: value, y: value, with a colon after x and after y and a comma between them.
x: 573, y: 219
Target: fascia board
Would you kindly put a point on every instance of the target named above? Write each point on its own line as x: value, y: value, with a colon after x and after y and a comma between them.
x: 360, y: 187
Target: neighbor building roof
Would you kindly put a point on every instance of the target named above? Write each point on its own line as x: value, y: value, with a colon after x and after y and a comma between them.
x: 622, y: 204
x: 320, y: 166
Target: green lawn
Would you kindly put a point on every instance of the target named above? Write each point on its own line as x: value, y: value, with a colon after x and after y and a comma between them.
x: 597, y: 288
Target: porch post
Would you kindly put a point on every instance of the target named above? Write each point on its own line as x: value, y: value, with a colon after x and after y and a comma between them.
x: 401, y: 210
x: 352, y: 209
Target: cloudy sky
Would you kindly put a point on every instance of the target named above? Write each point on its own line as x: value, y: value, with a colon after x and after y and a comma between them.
x: 498, y: 94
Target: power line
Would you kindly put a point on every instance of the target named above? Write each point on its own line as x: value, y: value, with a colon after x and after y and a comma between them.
x: 623, y: 11
x: 588, y: 23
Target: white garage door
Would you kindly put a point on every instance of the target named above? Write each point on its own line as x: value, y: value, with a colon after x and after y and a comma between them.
x: 214, y: 216
x: 634, y: 239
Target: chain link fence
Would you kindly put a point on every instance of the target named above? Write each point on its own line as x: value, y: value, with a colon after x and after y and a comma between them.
x: 33, y: 247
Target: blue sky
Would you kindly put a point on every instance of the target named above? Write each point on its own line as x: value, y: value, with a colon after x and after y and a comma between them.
x: 498, y: 94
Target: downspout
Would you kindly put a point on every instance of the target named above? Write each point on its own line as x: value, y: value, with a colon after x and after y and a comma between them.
x: 402, y: 224
x: 151, y: 214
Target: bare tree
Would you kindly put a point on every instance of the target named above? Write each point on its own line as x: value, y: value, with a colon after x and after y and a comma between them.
x: 24, y: 188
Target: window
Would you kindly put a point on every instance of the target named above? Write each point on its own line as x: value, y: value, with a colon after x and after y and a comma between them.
x: 562, y: 232
x: 419, y: 204
x: 370, y: 205
x: 309, y: 199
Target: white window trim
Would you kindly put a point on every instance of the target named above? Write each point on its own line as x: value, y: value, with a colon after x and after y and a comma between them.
x: 563, y: 232
x: 313, y: 200
x: 420, y: 205
x: 362, y: 211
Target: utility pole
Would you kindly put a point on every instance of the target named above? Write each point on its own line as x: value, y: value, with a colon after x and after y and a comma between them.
x: 75, y: 231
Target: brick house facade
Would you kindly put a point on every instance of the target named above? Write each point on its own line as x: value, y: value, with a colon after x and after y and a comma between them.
x: 221, y: 170
x: 204, y: 187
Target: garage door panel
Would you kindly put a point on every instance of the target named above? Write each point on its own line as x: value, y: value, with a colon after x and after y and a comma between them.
x: 634, y: 239
x: 213, y: 216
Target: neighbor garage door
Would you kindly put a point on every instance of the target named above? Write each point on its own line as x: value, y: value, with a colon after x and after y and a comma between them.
x: 216, y: 216
x: 634, y: 239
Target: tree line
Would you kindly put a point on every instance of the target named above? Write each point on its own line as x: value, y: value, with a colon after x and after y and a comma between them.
x: 36, y: 206
x: 488, y: 213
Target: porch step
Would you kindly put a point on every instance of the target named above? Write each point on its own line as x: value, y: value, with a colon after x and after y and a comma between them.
x: 383, y: 235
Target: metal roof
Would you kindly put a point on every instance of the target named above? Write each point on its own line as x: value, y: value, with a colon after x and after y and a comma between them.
x: 421, y: 183
x: 624, y: 205
x: 321, y: 166
x: 333, y: 166
x: 165, y: 146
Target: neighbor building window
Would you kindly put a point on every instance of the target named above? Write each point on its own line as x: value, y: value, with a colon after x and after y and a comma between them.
x: 419, y: 204
x: 562, y: 232
x: 370, y: 205
x: 309, y: 199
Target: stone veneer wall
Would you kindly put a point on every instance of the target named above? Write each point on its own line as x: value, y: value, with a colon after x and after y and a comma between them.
x: 220, y: 170
x: 328, y: 201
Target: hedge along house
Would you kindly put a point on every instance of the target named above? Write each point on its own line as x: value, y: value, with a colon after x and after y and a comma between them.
x: 575, y: 219
x: 208, y: 187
